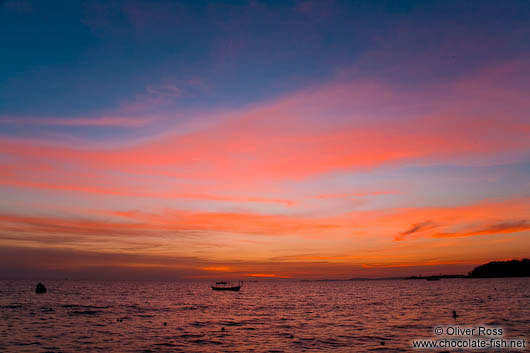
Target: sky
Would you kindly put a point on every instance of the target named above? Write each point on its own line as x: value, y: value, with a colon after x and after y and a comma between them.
x: 246, y: 139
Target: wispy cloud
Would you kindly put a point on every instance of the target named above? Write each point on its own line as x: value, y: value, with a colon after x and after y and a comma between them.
x: 484, y: 218
x: 495, y: 228
x: 415, y: 228
x: 278, y: 140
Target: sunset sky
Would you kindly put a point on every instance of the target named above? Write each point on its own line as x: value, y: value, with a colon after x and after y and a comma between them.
x: 262, y: 139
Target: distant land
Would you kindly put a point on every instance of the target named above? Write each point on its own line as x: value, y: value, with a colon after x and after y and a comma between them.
x: 435, y: 277
x: 512, y: 268
x: 350, y: 279
x: 494, y: 269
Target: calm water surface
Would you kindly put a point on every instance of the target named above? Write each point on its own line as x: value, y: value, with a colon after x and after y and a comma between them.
x: 354, y: 316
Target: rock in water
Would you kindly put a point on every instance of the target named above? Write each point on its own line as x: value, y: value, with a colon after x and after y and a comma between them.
x: 40, y: 288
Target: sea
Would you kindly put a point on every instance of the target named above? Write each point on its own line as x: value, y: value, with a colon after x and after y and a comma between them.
x: 265, y: 316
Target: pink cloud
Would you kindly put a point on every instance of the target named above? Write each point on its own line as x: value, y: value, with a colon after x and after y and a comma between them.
x: 290, y: 138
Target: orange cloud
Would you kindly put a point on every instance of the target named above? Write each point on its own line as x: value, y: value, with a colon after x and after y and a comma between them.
x: 218, y: 268
x: 325, y: 234
x: 245, y: 223
x: 496, y: 228
x: 415, y: 228
x: 487, y: 217
x: 496, y: 215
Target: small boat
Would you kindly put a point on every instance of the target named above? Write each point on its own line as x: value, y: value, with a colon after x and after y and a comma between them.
x: 226, y: 286
x: 40, y: 289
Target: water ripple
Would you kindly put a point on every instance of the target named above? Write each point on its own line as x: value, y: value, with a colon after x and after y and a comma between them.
x: 370, y: 316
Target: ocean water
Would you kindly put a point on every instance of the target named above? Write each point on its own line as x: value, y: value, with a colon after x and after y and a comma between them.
x: 289, y: 316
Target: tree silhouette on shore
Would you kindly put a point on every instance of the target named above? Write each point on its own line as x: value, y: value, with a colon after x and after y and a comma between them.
x: 512, y: 268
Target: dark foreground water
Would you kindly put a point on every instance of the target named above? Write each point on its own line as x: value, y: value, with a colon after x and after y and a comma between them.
x: 359, y: 316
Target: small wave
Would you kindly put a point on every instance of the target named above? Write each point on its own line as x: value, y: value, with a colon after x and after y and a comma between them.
x: 231, y: 323
x: 307, y: 338
x: 145, y: 315
x: 199, y: 341
x: 29, y: 343
x: 194, y: 307
x: 166, y: 344
x: 84, y: 312
x: 302, y: 344
x: 410, y: 326
x: 190, y: 335
x: 143, y: 309
x: 199, y: 324
x: 11, y: 306
x: 204, y: 341
x: 80, y: 306
x: 330, y: 342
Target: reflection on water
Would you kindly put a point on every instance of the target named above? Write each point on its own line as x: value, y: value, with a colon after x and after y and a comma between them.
x: 263, y: 317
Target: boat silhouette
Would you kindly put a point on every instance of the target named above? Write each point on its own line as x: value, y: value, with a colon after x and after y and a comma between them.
x: 226, y: 286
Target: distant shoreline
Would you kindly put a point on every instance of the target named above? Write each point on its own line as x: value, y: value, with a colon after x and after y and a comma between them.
x: 494, y: 269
